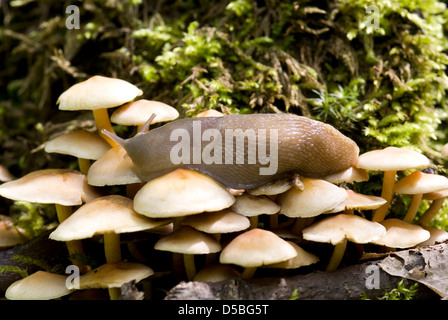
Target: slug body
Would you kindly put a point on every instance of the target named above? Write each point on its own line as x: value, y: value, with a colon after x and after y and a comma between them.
x: 243, y: 151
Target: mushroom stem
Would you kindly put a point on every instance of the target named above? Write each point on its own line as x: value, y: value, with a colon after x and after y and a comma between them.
x: 102, y: 121
x: 253, y: 222
x: 337, y: 255
x: 190, y: 268
x: 387, y: 194
x: 413, y: 208
x: 74, y: 246
x: 84, y: 165
x: 112, y: 252
x: 248, y: 272
x: 432, y: 211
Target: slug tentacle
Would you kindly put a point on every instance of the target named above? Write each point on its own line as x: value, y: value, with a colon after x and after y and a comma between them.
x: 117, y: 139
x: 145, y: 127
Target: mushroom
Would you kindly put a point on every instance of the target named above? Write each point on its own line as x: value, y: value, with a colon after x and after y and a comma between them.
x: 436, y: 235
x: 339, y: 229
x: 98, y: 93
x: 181, y: 192
x: 358, y: 201
x: 303, y: 258
x: 437, y: 197
x: 41, y: 285
x: 255, y: 248
x: 109, y: 216
x: 137, y: 113
x: 113, y: 276
x: 83, y: 144
x: 273, y: 188
x: 416, y: 184
x: 352, y: 174
x: 390, y: 160
x: 189, y: 242
x: 252, y: 206
x: 10, y: 235
x: 210, y: 113
x: 401, y: 234
x: 216, y: 272
x: 62, y: 187
x: 5, y: 175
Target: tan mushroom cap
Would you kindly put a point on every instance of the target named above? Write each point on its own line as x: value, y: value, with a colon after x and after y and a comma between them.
x: 392, y: 159
x: 317, y: 197
x: 138, y: 112
x: 60, y: 186
x: 256, y: 248
x: 272, y: 188
x: 187, y: 240
x: 223, y: 221
x: 303, y: 258
x: 249, y: 205
x: 419, y: 183
x: 216, y: 273
x: 112, y: 213
x: 113, y: 275
x: 352, y: 174
x: 41, y: 285
x: 180, y: 193
x: 97, y: 92
x: 337, y: 228
x: 358, y: 201
x: 10, y: 234
x: 81, y: 144
x: 436, y: 236
x: 436, y: 195
x: 113, y: 168
x: 5, y: 175
x: 401, y: 234
x: 210, y: 113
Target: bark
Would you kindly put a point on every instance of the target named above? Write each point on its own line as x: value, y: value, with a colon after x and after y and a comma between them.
x: 426, y: 265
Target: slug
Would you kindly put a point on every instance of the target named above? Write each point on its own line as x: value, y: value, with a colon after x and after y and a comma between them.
x: 241, y: 151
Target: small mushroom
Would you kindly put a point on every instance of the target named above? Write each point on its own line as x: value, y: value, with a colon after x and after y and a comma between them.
x: 181, y: 192
x: 10, y: 235
x: 189, y: 242
x: 303, y: 258
x: 216, y: 272
x: 41, y: 285
x: 436, y: 235
x: 252, y: 206
x: 358, y: 201
x: 339, y: 229
x: 83, y: 144
x: 255, y: 248
x: 138, y: 112
x: 210, y: 113
x: 416, y: 184
x: 401, y: 234
x: 98, y: 93
x: 350, y: 175
x: 390, y: 160
x: 5, y: 175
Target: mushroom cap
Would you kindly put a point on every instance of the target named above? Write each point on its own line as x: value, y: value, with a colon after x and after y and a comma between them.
x: 98, y: 92
x: 5, y: 175
x: 352, y: 174
x: 336, y: 228
x: 112, y: 213
x: 40, y: 285
x: 10, y: 234
x: 249, y: 205
x: 81, y: 144
x: 436, y: 235
x: 358, y: 201
x: 62, y: 186
x: 223, y: 221
x: 401, y: 234
x: 180, y: 193
x: 188, y: 240
x: 436, y: 195
x: 303, y: 258
x: 138, y: 112
x: 113, y: 275
x: 419, y: 182
x: 115, y: 167
x: 256, y: 248
x: 392, y: 159
x: 318, y: 196
x: 272, y: 188
x: 216, y: 273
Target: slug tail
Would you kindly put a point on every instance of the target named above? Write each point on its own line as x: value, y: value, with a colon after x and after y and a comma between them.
x: 114, y: 137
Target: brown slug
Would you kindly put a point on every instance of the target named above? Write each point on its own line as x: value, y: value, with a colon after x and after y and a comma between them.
x: 241, y: 151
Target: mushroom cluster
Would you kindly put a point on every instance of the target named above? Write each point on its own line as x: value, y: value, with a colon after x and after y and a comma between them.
x: 202, y: 230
